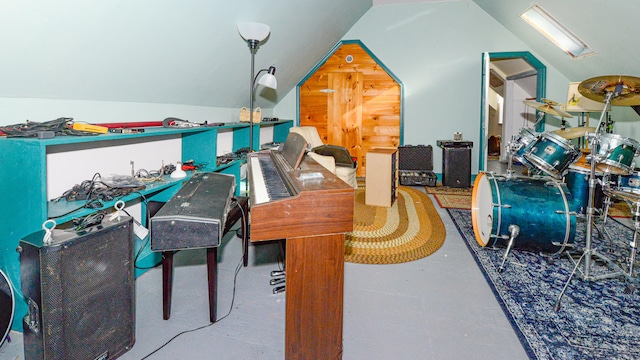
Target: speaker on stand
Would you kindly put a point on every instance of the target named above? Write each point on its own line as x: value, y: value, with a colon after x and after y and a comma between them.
x: 80, y: 292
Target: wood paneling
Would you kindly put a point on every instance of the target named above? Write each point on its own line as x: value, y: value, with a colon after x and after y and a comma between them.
x: 352, y: 104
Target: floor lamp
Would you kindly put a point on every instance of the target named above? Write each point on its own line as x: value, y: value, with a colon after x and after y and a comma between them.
x: 254, y: 33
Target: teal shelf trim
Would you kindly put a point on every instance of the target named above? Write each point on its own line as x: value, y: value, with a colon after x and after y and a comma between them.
x: 24, y: 180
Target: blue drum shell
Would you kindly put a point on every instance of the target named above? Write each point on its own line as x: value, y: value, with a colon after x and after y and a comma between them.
x: 539, y: 207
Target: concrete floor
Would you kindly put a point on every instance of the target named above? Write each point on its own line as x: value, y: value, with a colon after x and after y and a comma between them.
x: 439, y: 307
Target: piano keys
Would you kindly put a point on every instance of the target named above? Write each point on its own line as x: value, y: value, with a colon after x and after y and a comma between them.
x: 286, y: 204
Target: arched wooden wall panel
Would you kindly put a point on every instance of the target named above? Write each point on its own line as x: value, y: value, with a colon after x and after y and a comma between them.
x: 353, y: 102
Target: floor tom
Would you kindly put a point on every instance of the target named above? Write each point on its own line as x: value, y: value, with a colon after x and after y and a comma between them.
x: 577, y: 181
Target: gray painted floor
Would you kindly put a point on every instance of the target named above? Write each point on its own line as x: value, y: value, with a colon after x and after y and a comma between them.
x: 439, y: 307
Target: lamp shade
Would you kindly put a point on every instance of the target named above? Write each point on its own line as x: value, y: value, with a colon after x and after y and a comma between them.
x: 269, y: 79
x: 253, y: 30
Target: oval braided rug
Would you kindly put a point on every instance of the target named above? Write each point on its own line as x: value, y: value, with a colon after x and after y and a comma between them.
x: 409, y: 230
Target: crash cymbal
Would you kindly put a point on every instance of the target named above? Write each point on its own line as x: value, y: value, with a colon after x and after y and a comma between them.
x: 626, y: 89
x: 548, y: 107
x: 573, y: 133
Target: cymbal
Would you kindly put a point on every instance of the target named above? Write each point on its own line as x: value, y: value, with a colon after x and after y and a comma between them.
x: 597, y: 89
x: 573, y: 133
x: 548, y: 107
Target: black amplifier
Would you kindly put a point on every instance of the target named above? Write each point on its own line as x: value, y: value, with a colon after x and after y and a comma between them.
x: 415, y: 164
x: 195, y: 216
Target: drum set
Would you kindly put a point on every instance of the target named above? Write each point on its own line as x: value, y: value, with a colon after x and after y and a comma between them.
x: 539, y: 211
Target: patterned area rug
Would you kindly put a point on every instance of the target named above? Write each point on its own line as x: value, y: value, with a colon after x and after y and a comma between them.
x: 409, y: 230
x: 460, y: 198
x: 451, y: 198
x: 596, y: 320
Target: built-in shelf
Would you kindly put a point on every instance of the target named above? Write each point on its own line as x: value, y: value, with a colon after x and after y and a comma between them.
x: 24, y: 182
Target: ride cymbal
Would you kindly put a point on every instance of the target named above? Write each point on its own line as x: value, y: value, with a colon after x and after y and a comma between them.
x: 625, y: 89
x: 573, y: 133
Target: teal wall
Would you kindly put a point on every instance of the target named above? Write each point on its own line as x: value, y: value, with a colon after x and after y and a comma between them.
x: 435, y: 49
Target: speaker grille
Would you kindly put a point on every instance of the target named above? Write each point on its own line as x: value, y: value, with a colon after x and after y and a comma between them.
x: 88, y: 293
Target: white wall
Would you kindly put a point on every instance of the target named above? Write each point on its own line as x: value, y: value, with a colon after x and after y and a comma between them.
x: 18, y: 110
x: 435, y: 49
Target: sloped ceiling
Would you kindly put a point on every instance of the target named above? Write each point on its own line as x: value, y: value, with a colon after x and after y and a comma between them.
x: 189, y: 52
x: 161, y: 51
x: 608, y: 27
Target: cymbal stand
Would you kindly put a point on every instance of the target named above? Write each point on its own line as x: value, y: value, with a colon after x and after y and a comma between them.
x: 589, y: 252
x: 510, y: 148
x: 634, y: 243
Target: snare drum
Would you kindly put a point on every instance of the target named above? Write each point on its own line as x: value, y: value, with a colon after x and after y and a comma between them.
x: 631, y: 182
x: 538, y: 206
x: 616, y: 154
x: 552, y: 154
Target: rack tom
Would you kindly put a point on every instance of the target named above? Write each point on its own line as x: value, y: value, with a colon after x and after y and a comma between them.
x: 552, y: 154
x: 523, y: 142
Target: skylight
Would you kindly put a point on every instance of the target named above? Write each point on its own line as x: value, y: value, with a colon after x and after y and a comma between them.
x: 554, y: 31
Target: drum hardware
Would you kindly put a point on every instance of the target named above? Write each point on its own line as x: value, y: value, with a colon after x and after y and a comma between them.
x: 632, y: 198
x: 589, y: 89
x: 514, y: 231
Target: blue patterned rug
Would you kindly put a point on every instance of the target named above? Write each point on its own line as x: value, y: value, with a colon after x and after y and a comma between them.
x: 596, y: 320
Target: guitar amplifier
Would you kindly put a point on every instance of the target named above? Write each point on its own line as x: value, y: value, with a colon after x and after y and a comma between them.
x: 416, y: 165
x: 195, y: 216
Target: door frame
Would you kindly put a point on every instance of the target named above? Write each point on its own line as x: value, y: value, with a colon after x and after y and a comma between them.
x: 541, y: 90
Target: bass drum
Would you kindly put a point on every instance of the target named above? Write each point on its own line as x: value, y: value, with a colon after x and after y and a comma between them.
x: 537, y: 205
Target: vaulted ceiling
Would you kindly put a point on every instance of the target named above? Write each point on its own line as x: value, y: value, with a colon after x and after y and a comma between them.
x: 189, y: 52
x: 608, y: 27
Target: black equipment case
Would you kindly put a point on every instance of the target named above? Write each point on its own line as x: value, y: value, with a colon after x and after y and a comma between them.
x: 416, y: 165
x: 195, y: 216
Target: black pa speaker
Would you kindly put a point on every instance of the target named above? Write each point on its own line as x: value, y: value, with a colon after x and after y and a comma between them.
x: 80, y: 292
x: 456, y: 167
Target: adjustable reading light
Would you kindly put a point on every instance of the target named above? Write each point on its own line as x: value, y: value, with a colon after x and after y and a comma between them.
x: 254, y: 33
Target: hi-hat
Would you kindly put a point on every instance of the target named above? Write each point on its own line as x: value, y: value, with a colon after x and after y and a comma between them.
x: 625, y: 89
x: 548, y: 107
x: 574, y: 133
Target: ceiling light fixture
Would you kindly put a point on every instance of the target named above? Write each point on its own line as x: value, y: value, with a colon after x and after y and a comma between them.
x: 556, y: 32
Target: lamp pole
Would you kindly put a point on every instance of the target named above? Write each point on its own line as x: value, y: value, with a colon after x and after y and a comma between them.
x: 253, y: 46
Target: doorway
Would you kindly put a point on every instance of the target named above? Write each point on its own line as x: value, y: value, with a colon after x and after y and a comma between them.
x: 513, y: 77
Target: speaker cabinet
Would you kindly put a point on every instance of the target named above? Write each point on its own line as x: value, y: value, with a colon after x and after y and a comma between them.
x: 80, y: 292
x: 456, y: 166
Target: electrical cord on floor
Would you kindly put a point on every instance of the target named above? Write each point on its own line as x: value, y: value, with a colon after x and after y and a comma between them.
x: 233, y: 297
